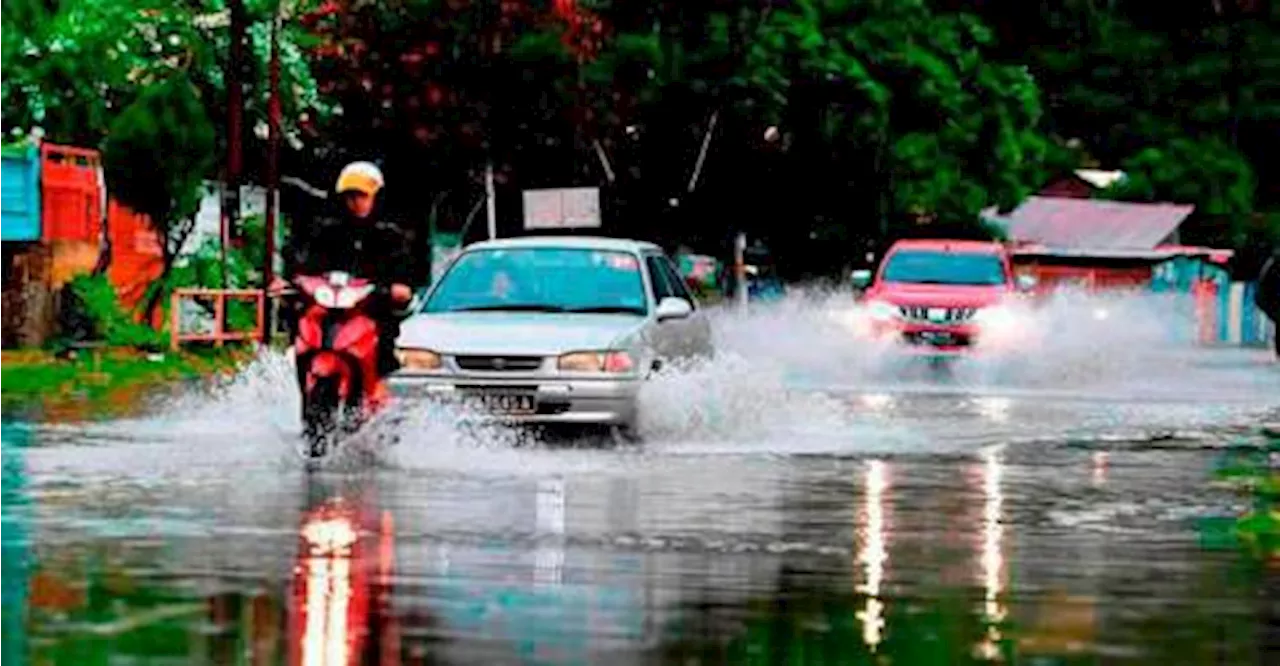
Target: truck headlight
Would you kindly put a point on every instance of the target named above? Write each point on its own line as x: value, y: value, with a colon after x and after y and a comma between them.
x: 882, y: 311
x: 997, y: 317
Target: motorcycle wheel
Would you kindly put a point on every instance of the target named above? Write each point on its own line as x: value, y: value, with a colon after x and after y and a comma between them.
x: 320, y: 411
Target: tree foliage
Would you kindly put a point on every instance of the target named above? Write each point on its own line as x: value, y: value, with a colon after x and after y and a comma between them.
x: 1184, y: 97
x: 887, y: 112
x: 157, y: 152
x: 826, y: 123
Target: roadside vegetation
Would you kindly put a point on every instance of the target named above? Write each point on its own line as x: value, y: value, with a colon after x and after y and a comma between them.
x: 1254, y: 472
x: 104, y: 357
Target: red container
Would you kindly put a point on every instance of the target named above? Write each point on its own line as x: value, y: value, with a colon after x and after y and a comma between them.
x: 71, y: 195
x: 137, y: 258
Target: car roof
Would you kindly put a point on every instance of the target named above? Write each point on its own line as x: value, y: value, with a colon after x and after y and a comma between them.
x: 949, y: 245
x: 567, y: 242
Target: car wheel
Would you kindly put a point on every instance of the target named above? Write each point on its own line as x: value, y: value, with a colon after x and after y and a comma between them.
x: 624, y: 435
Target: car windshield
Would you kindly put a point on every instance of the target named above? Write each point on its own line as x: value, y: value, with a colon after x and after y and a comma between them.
x: 937, y: 267
x: 542, y: 280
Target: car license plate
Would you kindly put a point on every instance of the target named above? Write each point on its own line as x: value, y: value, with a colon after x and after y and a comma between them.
x: 937, y: 314
x: 936, y: 338
x: 505, y: 403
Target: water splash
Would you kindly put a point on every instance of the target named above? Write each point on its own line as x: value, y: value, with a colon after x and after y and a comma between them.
x: 788, y: 377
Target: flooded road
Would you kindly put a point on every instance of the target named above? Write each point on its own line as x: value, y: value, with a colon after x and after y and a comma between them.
x: 781, y: 511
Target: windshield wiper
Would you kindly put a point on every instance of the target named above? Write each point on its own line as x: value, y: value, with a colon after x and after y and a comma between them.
x: 511, y: 307
x: 607, y: 309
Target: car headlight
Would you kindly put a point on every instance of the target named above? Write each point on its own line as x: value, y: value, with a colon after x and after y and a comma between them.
x: 996, y: 316
x: 882, y: 311
x: 613, y: 362
x: 418, y: 359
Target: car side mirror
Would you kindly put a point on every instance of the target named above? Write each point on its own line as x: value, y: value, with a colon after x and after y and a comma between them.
x: 1026, y: 282
x: 861, y: 278
x: 672, y: 307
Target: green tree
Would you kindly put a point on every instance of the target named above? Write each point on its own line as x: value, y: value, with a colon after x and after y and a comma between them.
x: 1186, y: 99
x: 157, y: 152
x: 887, y: 111
x: 72, y: 66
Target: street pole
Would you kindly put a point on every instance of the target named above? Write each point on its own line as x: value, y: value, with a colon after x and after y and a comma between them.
x: 740, y: 269
x: 273, y: 171
x: 490, y: 204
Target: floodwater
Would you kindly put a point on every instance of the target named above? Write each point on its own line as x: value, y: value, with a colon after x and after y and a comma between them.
x: 798, y: 500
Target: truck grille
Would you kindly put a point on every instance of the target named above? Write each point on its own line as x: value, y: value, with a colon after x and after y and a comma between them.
x: 499, y: 363
x: 920, y: 313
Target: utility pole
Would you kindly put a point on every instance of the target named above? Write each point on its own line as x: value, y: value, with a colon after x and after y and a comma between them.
x: 490, y: 204
x: 740, y: 269
x: 230, y: 199
x: 273, y: 168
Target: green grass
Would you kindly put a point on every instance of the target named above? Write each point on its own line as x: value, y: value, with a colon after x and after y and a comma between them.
x: 86, y: 386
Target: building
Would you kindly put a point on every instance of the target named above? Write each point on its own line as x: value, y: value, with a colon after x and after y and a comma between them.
x: 1106, y: 244
x: 1082, y: 183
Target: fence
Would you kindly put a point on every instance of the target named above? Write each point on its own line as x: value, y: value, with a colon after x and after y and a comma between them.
x: 219, y: 335
x: 1234, y: 319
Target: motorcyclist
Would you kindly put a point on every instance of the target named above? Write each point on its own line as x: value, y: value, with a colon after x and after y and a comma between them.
x: 353, y: 238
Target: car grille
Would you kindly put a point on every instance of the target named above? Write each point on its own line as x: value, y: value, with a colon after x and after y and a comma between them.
x: 920, y: 313
x: 499, y: 363
x: 937, y: 339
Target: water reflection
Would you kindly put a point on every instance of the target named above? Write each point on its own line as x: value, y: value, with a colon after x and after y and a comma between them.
x: 340, y: 614
x: 874, y: 553
x: 15, y: 512
x: 1100, y: 459
x: 549, y: 556
x: 992, y: 552
x: 763, y: 562
x: 995, y: 408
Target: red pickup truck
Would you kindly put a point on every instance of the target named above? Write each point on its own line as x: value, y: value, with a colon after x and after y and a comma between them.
x: 943, y: 297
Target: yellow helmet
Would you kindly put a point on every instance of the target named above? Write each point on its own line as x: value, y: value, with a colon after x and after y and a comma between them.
x: 363, y: 177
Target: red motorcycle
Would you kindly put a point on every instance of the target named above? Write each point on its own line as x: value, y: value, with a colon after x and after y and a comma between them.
x: 336, y: 348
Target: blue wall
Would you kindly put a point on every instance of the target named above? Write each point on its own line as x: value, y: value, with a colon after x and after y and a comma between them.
x: 20, y: 194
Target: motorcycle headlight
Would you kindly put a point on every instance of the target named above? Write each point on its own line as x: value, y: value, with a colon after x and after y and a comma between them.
x: 325, y: 297
x: 882, y: 311
x: 348, y: 297
x: 418, y: 359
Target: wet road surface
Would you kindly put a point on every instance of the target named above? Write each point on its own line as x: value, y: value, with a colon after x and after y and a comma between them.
x: 780, y: 516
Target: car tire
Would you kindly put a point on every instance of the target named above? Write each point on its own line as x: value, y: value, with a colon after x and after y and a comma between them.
x: 624, y: 435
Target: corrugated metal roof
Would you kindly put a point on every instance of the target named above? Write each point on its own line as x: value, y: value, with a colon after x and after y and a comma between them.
x: 1157, y: 254
x: 1090, y: 223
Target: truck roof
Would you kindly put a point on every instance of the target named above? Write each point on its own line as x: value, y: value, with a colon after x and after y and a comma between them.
x: 949, y: 245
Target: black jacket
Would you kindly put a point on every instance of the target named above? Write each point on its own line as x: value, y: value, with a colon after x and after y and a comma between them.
x: 375, y: 250
x: 372, y: 249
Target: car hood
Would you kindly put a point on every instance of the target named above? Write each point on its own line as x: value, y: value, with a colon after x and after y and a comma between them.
x: 941, y: 295
x: 516, y: 333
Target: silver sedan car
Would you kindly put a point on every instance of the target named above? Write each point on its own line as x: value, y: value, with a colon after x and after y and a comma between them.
x: 550, y: 330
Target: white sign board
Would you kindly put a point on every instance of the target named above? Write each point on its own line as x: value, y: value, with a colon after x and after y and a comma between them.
x: 562, y: 208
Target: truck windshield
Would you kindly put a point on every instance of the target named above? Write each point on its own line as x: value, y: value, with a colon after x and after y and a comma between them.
x: 937, y: 267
